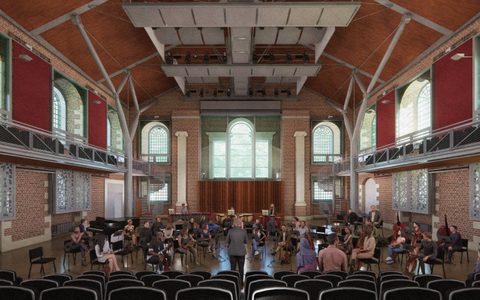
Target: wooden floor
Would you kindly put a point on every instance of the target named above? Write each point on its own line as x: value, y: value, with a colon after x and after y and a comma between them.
x: 18, y: 260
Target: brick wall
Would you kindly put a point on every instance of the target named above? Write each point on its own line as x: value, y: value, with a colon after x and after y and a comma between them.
x: 98, y: 198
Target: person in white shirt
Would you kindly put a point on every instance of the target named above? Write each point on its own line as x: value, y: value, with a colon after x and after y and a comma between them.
x: 104, y: 253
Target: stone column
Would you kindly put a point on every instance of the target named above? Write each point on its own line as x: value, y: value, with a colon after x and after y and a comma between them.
x: 300, y: 204
x: 181, y: 168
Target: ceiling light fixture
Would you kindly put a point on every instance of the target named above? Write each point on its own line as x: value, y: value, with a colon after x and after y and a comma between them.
x: 25, y: 57
x: 459, y: 56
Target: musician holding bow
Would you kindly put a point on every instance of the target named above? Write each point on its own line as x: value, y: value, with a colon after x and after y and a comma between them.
x: 157, y: 252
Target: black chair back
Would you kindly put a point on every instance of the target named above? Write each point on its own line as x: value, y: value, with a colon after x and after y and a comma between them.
x: 98, y: 278
x: 476, y: 283
x: 88, y: 284
x: 4, y: 282
x: 366, y: 273
x: 446, y: 286
x: 121, y: 276
x: 361, y: 276
x: 192, y: 278
x: 120, y: 273
x: 59, y: 278
x: 313, y: 286
x: 148, y: 280
x: 206, y: 275
x: 334, y: 279
x: 140, y: 274
x: 311, y: 274
x: 384, y: 273
x: 392, y: 277
x: 262, y: 284
x: 222, y: 284
x: 137, y: 293
x: 395, y: 283
x: 8, y: 275
x: 172, y: 274
x: 278, y: 275
x: 423, y: 280
x: 122, y: 283
x: 250, y: 273
x: 359, y: 283
x: 292, y: 278
x: 35, y: 253
x: 38, y: 285
x: 338, y: 273
x: 171, y: 287
x: 409, y: 292
x: 252, y: 278
x: 93, y: 272
x: 68, y: 292
x: 347, y: 293
x: 204, y: 293
x: 280, y: 293
x: 231, y: 278
x: 229, y: 272
x: 16, y: 293
x: 472, y: 293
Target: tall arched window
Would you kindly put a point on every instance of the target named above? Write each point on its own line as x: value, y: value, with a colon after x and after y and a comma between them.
x: 241, y: 135
x: 369, y: 129
x: 325, y: 142
x: 414, y: 109
x: 109, y: 133
x: 114, y: 132
x: 59, y: 111
x: 155, y: 142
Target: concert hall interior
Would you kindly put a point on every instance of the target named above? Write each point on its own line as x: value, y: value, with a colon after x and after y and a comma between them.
x: 290, y: 121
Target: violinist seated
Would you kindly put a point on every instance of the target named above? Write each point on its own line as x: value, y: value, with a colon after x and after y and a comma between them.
x: 414, y: 247
x: 157, y: 252
x: 352, y: 219
x: 396, y: 245
x: 454, y: 243
x: 258, y: 240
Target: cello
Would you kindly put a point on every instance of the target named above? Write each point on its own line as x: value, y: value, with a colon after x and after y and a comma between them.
x: 442, y: 232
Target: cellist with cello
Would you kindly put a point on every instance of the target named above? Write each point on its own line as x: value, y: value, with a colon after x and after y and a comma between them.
x: 415, y: 244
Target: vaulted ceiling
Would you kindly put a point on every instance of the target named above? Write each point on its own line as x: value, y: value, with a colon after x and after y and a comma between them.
x: 360, y: 45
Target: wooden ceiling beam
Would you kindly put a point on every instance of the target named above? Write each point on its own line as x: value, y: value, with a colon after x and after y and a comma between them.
x: 422, y: 20
x: 66, y: 17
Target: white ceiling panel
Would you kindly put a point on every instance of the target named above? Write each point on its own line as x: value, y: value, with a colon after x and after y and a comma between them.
x: 167, y: 36
x: 173, y: 70
x: 257, y: 14
x: 262, y: 71
x: 272, y: 15
x: 209, y: 16
x: 305, y: 16
x: 177, y: 16
x: 307, y: 70
x: 283, y: 71
x: 213, y: 36
x: 338, y: 14
x: 197, y: 71
x: 265, y: 36
x: 190, y: 36
x: 288, y: 35
x: 311, y: 35
x: 194, y: 80
x: 238, y: 16
x: 219, y: 71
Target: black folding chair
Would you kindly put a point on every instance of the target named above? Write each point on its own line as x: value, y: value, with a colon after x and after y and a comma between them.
x: 262, y: 284
x: 121, y: 276
x: 252, y: 278
x: 423, y: 280
x: 122, y: 283
x: 410, y: 292
x: 375, y: 260
x: 137, y: 293
x: 311, y: 274
x: 338, y: 273
x: 280, y: 293
x: 87, y: 284
x: 36, y: 258
x: 16, y: 293
x: 471, y: 293
x: 10, y: 275
x: 59, y: 278
x: 222, y: 284
x: 192, y: 278
x: 171, y: 287
x: 395, y: 283
x: 231, y: 278
x: 140, y: 274
x: 38, y: 285
x: 348, y: 293
x: 204, y: 274
x: 292, y: 278
x: 250, y: 273
x: 446, y: 286
x: 172, y: 274
x: 93, y: 272
x: 361, y: 276
x: 359, y: 283
x: 230, y: 272
x: 313, y: 286
x: 68, y: 292
x: 278, y: 275
x: 94, y: 260
x: 334, y: 279
x: 148, y: 280
x: 114, y: 273
x: 204, y: 293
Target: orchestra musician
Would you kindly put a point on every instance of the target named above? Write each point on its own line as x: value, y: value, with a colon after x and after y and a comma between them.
x: 258, y: 240
x: 271, y: 210
x: 129, y: 231
x: 284, y: 246
x: 187, y: 244
x: 157, y: 252
x: 414, y: 249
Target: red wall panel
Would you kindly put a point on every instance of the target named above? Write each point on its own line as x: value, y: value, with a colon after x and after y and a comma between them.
x: 97, y: 121
x: 385, y: 110
x: 452, y: 88
x: 31, y: 89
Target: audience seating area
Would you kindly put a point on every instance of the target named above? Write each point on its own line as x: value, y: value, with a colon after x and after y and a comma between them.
x: 227, y: 285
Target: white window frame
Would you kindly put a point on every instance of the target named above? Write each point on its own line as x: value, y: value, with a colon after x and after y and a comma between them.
x: 337, y: 143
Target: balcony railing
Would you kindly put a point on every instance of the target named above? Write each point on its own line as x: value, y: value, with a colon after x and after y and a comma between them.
x: 22, y: 140
x: 156, y: 158
x: 325, y: 158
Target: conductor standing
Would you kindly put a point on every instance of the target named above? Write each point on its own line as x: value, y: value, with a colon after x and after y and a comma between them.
x: 237, y: 239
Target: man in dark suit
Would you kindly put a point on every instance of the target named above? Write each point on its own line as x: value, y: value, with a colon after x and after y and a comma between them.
x: 374, y: 216
x: 237, y: 239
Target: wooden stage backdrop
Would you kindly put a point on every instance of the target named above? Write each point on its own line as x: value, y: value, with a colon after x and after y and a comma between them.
x: 244, y: 196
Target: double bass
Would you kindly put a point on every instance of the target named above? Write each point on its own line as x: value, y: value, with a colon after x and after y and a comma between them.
x: 443, y: 232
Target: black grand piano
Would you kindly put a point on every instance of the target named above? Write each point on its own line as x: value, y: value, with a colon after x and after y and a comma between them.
x: 110, y: 226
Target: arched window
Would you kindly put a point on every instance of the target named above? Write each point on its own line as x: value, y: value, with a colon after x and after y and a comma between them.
x: 414, y: 110
x: 241, y: 135
x: 114, y: 132
x: 109, y: 133
x: 59, y: 112
x: 369, y: 129
x: 155, y: 142
x: 325, y: 142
